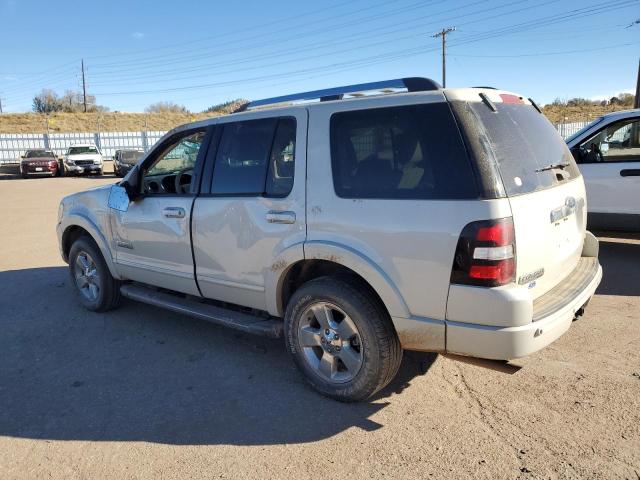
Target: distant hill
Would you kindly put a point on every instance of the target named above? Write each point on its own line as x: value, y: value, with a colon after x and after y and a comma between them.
x: 65, y: 122
x: 92, y: 122
x: 579, y: 113
x: 574, y: 110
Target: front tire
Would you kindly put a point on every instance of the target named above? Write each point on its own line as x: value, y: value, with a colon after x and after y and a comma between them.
x: 97, y: 290
x: 342, y: 339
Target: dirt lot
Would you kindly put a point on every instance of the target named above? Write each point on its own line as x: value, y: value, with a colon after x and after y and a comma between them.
x: 142, y: 393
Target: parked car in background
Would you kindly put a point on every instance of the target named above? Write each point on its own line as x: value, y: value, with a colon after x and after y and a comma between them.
x: 354, y: 227
x: 39, y: 162
x: 608, y: 154
x: 123, y: 160
x: 83, y: 158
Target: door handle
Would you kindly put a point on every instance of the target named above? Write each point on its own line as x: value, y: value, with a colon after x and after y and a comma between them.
x: 274, y: 216
x: 632, y: 172
x: 173, y: 212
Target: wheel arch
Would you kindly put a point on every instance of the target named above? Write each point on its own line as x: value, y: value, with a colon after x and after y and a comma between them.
x: 324, y: 258
x: 76, y: 226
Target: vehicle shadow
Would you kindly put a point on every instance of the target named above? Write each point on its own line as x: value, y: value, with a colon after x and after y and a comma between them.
x: 140, y: 373
x: 620, y: 268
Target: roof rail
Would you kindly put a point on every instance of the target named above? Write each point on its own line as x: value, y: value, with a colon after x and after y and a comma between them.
x: 411, y: 84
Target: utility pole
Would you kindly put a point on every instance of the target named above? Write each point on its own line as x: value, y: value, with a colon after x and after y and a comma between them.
x: 636, y: 103
x: 84, y: 89
x: 443, y: 33
x: 0, y: 105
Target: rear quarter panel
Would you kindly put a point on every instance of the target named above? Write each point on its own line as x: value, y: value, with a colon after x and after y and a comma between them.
x: 410, y: 242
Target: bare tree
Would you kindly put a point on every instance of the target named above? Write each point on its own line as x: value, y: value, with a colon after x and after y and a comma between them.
x: 47, y: 101
x: 166, y: 107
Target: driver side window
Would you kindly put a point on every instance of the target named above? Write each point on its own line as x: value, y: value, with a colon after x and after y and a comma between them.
x: 618, y: 142
x: 172, y: 171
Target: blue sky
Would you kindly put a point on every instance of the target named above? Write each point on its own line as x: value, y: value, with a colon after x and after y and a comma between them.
x: 201, y: 53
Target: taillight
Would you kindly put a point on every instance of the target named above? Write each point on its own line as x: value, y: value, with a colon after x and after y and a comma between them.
x: 486, y: 254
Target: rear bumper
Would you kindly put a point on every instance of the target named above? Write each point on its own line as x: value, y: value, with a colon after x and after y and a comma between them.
x: 551, y: 317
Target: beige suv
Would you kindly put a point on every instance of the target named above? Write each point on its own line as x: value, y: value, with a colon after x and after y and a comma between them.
x: 385, y: 216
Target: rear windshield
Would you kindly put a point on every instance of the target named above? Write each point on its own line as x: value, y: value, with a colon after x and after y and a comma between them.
x: 81, y: 150
x: 408, y: 152
x: 526, y: 146
x: 39, y: 154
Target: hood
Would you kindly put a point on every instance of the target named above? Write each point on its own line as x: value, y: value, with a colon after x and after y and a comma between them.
x: 84, y: 156
x: 39, y: 160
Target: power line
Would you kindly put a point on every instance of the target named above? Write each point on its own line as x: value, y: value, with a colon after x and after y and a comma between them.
x: 543, y: 54
x: 558, y: 18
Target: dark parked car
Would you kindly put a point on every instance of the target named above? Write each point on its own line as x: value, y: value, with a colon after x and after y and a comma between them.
x: 123, y: 160
x: 39, y: 162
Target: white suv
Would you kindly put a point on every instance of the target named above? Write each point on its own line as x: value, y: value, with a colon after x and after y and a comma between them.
x: 83, y: 158
x: 446, y: 220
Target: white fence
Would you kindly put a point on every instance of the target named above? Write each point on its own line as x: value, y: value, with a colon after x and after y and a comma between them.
x: 568, y: 129
x: 14, y: 145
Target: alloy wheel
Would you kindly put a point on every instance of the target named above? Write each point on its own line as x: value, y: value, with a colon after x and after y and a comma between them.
x: 331, y: 342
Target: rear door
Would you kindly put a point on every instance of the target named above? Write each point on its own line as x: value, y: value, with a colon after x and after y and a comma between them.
x: 252, y: 205
x: 543, y: 184
x: 610, y: 162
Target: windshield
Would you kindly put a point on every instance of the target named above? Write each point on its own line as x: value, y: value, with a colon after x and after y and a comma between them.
x: 584, y: 129
x: 530, y: 153
x: 82, y: 150
x: 131, y: 156
x: 39, y: 154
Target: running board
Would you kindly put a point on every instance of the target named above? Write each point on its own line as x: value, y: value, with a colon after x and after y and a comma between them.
x: 229, y: 318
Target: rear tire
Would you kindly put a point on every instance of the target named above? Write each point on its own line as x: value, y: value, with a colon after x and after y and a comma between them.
x: 97, y: 290
x: 349, y: 353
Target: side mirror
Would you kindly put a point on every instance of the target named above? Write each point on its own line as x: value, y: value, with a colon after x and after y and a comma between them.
x: 22, y: 156
x: 131, y: 183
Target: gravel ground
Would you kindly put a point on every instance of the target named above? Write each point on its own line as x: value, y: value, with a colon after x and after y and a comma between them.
x: 143, y: 393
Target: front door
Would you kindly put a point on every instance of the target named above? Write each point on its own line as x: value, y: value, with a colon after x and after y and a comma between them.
x: 610, y: 163
x: 252, y: 209
x: 153, y: 238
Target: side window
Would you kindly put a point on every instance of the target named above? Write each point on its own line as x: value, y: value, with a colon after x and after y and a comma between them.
x: 172, y: 171
x: 255, y: 157
x: 282, y: 159
x: 410, y: 152
x: 618, y: 142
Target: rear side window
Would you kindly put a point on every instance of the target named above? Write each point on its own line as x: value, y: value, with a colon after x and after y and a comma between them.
x: 525, y: 145
x: 281, y: 161
x: 408, y: 152
x: 255, y: 157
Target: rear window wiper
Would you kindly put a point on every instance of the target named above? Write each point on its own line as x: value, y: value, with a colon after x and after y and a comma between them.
x: 553, y: 166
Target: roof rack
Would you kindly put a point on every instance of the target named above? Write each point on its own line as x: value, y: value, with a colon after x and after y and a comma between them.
x: 411, y: 84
